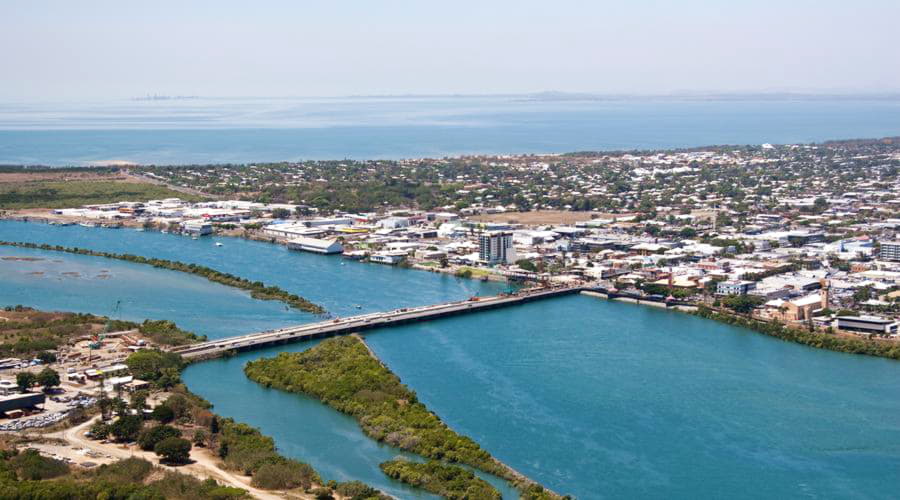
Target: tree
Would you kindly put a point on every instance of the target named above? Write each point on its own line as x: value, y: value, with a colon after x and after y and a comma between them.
x: 99, y: 430
x: 163, y: 413
x: 200, y: 437
x: 24, y: 380
x: 126, y: 428
x: 173, y: 450
x: 281, y: 213
x: 139, y: 400
x: 48, y: 378
x: 820, y: 204
x: 156, y: 366
x: 46, y: 357
x: 149, y: 437
x: 526, y: 265
x: 742, y: 303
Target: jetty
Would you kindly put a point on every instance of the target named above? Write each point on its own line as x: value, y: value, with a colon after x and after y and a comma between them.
x: 362, y: 322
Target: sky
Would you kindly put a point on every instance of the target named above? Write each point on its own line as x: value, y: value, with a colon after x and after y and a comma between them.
x: 94, y: 49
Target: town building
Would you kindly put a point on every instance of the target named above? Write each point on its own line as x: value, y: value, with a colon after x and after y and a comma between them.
x: 734, y: 287
x: 198, y: 227
x: 496, y: 247
x: 316, y: 245
x: 890, y: 250
x: 867, y: 324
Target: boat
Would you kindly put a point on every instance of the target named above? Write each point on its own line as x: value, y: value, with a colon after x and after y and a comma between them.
x: 87, y: 224
x: 218, y: 244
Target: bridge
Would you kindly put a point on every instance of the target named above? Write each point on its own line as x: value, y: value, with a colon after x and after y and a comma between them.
x: 350, y: 324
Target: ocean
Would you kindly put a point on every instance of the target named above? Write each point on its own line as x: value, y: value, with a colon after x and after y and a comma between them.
x: 206, y: 131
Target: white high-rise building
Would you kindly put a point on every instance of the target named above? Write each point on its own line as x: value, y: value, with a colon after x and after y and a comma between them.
x: 496, y: 247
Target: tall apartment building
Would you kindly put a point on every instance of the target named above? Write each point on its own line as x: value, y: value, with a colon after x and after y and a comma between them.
x: 890, y: 250
x: 496, y: 247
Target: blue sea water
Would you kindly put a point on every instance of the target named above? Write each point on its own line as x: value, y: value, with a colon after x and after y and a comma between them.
x: 592, y: 398
x: 255, y: 130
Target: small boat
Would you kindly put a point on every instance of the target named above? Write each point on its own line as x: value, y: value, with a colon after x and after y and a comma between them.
x: 194, y: 237
x: 87, y: 224
x: 218, y: 244
x: 358, y: 306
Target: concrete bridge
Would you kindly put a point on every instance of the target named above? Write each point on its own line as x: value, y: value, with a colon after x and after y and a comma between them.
x: 350, y: 324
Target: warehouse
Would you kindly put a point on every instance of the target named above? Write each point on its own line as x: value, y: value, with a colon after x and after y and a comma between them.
x: 315, y: 245
x: 21, y: 401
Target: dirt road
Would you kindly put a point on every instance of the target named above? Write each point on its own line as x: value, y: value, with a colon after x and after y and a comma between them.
x: 204, y: 464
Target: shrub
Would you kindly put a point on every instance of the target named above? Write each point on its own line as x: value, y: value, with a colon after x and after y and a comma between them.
x: 285, y: 475
x: 128, y: 470
x: 31, y: 465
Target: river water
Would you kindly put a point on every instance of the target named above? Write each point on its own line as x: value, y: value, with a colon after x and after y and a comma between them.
x: 592, y: 398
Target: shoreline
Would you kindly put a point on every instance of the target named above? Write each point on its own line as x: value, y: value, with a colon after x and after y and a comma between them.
x: 388, y: 412
x: 519, y: 477
x: 251, y: 236
x: 258, y: 290
x: 832, y: 341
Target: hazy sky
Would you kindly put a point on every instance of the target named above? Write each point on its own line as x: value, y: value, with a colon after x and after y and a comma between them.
x: 86, y: 49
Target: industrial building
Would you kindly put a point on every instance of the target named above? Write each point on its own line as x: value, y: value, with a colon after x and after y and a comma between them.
x: 21, y: 401
x: 198, y: 227
x: 316, y: 245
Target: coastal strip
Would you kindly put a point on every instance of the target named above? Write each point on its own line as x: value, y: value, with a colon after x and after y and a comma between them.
x: 257, y: 289
x: 830, y: 341
x: 344, y: 374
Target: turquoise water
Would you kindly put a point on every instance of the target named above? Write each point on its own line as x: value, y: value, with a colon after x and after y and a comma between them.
x: 255, y: 130
x: 593, y: 398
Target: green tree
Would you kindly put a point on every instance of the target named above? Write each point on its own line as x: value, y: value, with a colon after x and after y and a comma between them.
x: 99, y: 430
x: 24, y: 381
x: 48, y: 378
x: 526, y: 265
x: 281, y: 213
x: 163, y: 413
x: 149, y: 437
x: 173, y: 450
x: 126, y: 428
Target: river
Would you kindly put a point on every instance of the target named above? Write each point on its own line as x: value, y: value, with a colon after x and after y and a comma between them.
x: 592, y: 398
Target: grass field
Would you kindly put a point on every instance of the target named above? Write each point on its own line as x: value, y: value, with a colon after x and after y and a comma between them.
x: 74, y: 193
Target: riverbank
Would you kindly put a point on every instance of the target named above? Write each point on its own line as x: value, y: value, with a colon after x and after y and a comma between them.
x: 257, y: 289
x: 344, y: 374
x: 830, y: 341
